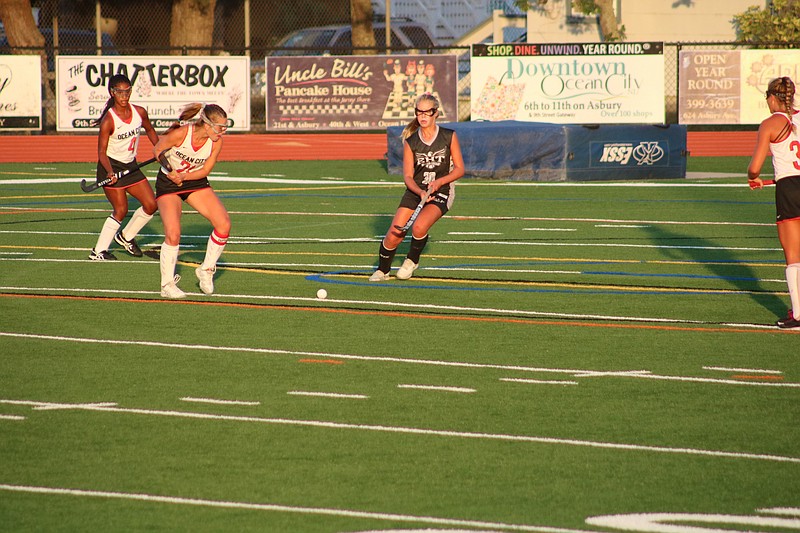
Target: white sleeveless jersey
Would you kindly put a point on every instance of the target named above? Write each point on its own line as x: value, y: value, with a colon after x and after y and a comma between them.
x: 786, y: 153
x: 186, y: 157
x: 124, y: 140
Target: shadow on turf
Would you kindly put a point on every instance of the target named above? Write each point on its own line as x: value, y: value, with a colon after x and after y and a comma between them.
x: 723, y: 264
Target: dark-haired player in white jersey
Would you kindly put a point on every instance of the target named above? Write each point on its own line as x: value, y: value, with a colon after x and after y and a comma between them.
x: 117, y: 143
x: 432, y: 161
x: 780, y: 135
x: 192, y: 147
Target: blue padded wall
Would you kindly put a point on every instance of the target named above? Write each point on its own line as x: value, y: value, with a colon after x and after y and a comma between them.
x: 529, y: 151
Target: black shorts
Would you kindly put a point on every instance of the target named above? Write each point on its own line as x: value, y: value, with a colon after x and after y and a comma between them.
x: 123, y: 183
x: 787, y: 199
x: 165, y: 186
x: 441, y: 200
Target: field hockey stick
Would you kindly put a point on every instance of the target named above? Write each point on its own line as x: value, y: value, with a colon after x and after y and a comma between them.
x: 121, y: 174
x: 414, y: 215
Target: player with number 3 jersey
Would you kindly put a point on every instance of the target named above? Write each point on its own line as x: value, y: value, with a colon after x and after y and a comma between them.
x: 780, y: 135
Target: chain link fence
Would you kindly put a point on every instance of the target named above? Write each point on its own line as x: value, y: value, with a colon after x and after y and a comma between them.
x: 258, y: 27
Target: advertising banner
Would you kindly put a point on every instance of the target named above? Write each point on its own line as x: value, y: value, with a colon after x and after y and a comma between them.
x: 20, y: 107
x: 728, y: 86
x: 161, y: 84
x: 759, y: 67
x: 363, y: 92
x: 709, y: 89
x: 586, y: 83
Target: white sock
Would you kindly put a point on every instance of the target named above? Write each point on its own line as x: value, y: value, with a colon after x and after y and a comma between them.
x: 135, y: 224
x: 110, y: 228
x: 168, y: 260
x: 793, y: 281
x: 216, y: 244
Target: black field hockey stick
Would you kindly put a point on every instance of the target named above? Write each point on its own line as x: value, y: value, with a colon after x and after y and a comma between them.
x: 414, y: 215
x: 89, y: 187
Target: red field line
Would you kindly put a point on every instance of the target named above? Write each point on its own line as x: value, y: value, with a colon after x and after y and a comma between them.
x: 404, y: 314
x: 300, y: 147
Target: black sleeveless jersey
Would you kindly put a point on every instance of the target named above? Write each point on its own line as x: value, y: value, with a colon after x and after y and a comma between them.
x: 431, y: 161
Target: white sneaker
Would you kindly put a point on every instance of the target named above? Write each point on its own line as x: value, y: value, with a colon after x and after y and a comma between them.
x: 171, y: 290
x: 406, y: 269
x: 379, y: 275
x: 206, y: 278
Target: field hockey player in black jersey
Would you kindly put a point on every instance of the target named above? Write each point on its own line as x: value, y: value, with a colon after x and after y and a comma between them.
x: 432, y: 162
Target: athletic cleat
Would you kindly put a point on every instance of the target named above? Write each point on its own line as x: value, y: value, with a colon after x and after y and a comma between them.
x: 130, y: 246
x: 379, y: 275
x: 206, y: 278
x: 171, y: 290
x: 790, y: 322
x: 105, y: 255
x: 407, y: 269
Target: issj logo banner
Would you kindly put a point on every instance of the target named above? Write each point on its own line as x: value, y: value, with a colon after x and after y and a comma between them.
x: 364, y: 92
x: 161, y: 84
x: 635, y: 153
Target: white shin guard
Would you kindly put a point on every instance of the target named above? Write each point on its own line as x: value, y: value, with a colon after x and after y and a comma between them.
x: 793, y: 281
x: 168, y: 259
x: 110, y: 228
x: 136, y: 223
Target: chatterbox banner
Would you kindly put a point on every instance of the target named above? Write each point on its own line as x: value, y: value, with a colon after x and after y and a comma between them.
x: 161, y: 84
x: 20, y: 107
x: 356, y: 92
x: 729, y: 86
x: 597, y: 83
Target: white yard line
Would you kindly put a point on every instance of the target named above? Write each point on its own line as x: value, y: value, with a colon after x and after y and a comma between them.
x: 320, y: 511
x: 532, y: 439
x: 328, y: 395
x: 437, y: 388
x: 750, y: 370
x: 218, y: 402
x: 538, y: 381
x: 578, y: 373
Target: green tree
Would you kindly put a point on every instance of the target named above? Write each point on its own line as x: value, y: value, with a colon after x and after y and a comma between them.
x: 604, y: 9
x: 776, y: 26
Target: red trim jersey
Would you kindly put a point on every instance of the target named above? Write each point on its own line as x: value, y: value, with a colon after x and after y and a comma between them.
x: 186, y: 157
x: 786, y: 153
x: 123, y: 142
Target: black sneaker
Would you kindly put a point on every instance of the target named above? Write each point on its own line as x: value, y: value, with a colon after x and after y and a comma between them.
x: 105, y: 255
x: 789, y: 322
x: 130, y: 245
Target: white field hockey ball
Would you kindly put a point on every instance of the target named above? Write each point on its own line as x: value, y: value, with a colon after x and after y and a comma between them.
x: 322, y: 294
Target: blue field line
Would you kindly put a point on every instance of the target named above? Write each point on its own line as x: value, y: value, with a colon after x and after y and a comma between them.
x: 394, y: 284
x: 688, y: 276
x: 604, y: 272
